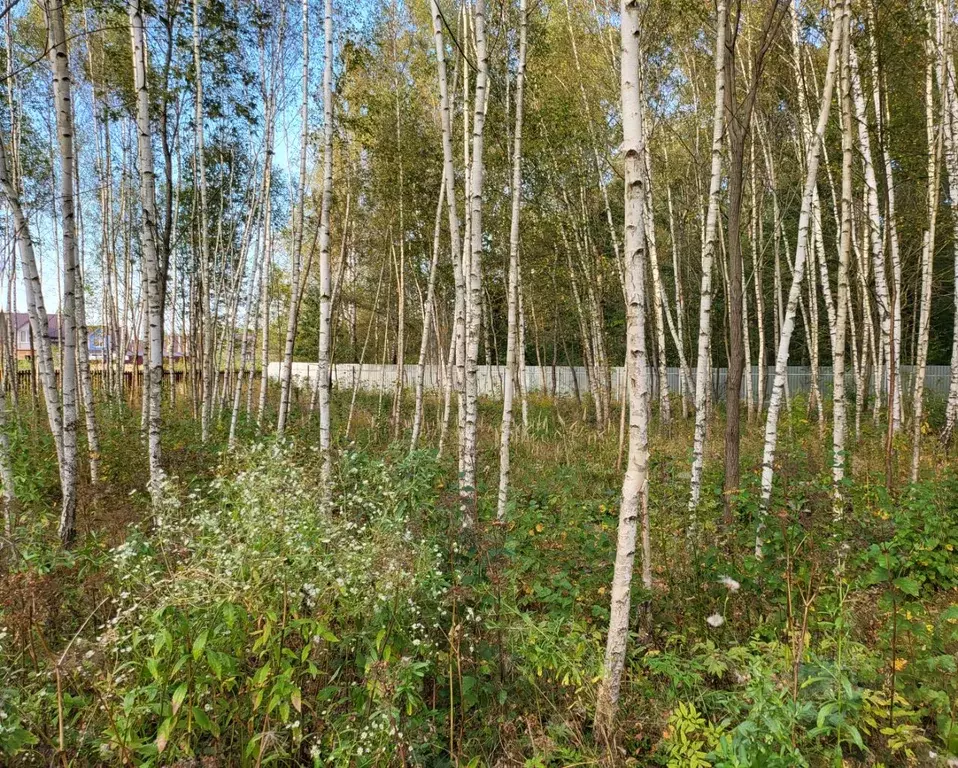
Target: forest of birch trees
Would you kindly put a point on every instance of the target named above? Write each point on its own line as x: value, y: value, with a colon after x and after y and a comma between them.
x: 479, y: 382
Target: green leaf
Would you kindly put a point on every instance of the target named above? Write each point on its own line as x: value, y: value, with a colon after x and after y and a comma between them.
x: 202, y: 719
x: 907, y: 585
x: 216, y: 664
x: 199, y: 644
x: 163, y: 734
x: 261, y: 674
x: 179, y: 695
x: 328, y: 636
x: 878, y: 575
x: 824, y: 712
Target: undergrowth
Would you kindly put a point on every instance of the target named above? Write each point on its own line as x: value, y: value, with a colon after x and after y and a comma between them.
x: 254, y: 619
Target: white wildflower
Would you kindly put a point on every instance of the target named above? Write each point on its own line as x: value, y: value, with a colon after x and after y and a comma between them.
x: 729, y: 583
x: 715, y: 620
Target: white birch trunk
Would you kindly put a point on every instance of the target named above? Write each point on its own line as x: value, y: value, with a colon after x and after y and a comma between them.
x: 798, y: 271
x: 950, y: 126
x: 513, y: 285
x: 873, y: 211
x: 36, y: 307
x: 456, y: 356
x: 296, y: 257
x: 206, y: 330
x: 62, y: 87
x: 935, y: 68
x: 665, y: 405
x: 427, y: 313
x: 708, y: 255
x: 324, y: 272
x: 839, y: 417
x: 474, y: 273
x: 148, y: 241
x: 635, y: 481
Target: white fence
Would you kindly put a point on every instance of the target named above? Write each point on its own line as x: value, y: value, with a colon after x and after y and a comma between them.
x: 566, y: 381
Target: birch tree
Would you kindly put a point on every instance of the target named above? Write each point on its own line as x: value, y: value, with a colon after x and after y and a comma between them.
x: 813, y: 154
x: 473, y: 275
x: 63, y: 102
x: 839, y: 416
x: 148, y: 241
x: 286, y: 374
x: 513, y: 284
x: 702, y: 378
x: 325, y: 289
x: 634, y: 484
x: 934, y: 71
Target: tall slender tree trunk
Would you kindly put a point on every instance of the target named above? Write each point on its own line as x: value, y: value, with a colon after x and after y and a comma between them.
x: 950, y: 131
x: 875, y: 230
x: 206, y: 330
x: 245, y: 346
x: 798, y: 270
x: 41, y: 351
x: 325, y: 443
x: 658, y: 304
x: 63, y: 99
x: 513, y: 285
x: 635, y: 482
x: 702, y: 378
x: 296, y: 257
x: 839, y: 408
x: 739, y: 125
x: 6, y: 465
x: 86, y: 379
x: 427, y: 313
x: 457, y: 351
x: 151, y: 261
x: 935, y: 69
x: 473, y: 275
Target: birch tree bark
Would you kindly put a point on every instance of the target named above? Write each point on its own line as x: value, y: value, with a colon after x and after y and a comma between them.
x: 36, y: 306
x: 154, y: 299
x: 513, y: 285
x: 296, y: 257
x: 245, y: 346
x: 883, y: 119
x: 658, y: 304
x: 635, y: 482
x: 875, y: 230
x: 457, y: 350
x: 839, y: 417
x: 86, y: 379
x: 739, y: 125
x: 63, y: 102
x: 324, y: 269
x: 708, y: 255
x: 798, y: 271
x: 206, y: 330
x: 950, y: 133
x: 6, y: 466
x: 427, y: 313
x: 474, y: 273
x: 934, y: 70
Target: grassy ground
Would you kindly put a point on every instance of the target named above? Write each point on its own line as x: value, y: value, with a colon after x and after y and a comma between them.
x: 249, y: 622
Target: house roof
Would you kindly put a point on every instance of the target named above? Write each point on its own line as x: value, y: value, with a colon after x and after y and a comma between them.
x: 20, y: 319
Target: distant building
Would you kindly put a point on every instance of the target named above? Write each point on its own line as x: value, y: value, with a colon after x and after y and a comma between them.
x: 23, y: 333
x: 99, y: 341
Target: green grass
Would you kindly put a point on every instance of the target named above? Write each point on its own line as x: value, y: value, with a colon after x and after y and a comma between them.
x: 250, y: 622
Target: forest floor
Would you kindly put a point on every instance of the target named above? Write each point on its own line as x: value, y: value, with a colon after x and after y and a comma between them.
x: 248, y: 621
